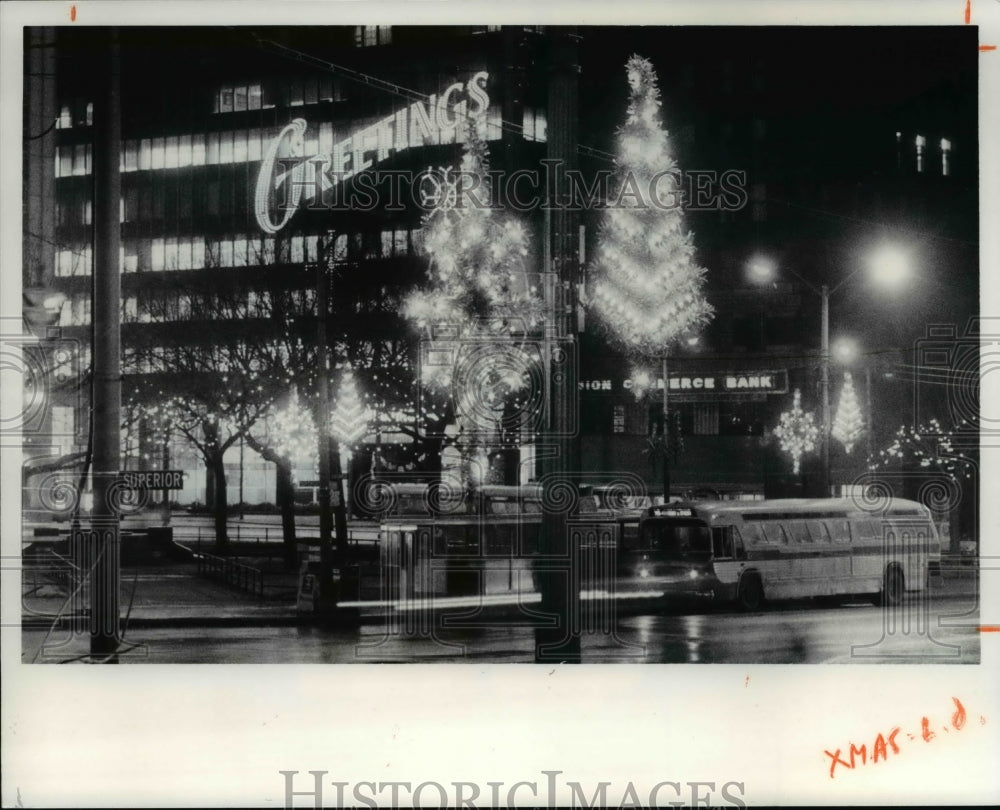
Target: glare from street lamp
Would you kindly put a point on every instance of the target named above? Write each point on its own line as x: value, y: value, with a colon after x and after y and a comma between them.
x: 845, y: 350
x: 890, y: 266
x: 761, y: 269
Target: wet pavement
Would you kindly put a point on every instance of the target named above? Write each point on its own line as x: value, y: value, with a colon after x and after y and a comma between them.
x: 176, y: 616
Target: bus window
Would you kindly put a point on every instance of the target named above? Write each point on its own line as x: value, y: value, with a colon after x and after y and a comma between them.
x: 752, y: 534
x: 818, y: 531
x: 722, y: 542
x: 773, y: 532
x: 798, y: 532
x: 677, y: 536
x: 840, y: 530
x: 869, y: 531
x: 738, y: 550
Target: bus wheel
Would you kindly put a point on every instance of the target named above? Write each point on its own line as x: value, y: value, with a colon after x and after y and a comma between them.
x: 893, y: 587
x: 750, y: 594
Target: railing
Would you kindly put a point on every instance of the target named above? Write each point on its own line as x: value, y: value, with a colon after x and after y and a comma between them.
x: 245, y: 577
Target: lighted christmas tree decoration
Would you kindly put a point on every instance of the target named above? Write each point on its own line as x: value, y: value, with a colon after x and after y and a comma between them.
x: 848, y: 424
x: 797, y: 432
x: 481, y: 305
x: 928, y: 445
x: 350, y: 418
x: 292, y: 431
x: 479, y: 282
x: 648, y: 288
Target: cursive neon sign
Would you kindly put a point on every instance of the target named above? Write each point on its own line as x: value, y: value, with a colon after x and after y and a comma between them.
x: 416, y: 125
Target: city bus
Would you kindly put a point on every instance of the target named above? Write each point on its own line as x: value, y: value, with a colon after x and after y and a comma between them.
x: 751, y: 551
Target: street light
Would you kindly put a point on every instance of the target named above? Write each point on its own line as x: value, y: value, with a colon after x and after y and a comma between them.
x: 888, y: 265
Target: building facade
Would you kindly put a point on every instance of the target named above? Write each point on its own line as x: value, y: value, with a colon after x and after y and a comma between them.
x: 226, y: 214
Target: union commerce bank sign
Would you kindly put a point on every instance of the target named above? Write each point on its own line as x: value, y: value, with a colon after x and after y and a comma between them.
x: 700, y: 385
x: 423, y: 122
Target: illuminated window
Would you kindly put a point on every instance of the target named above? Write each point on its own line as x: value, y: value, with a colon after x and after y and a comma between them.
x: 158, y: 150
x: 212, y: 149
x: 81, y: 159
x: 945, y: 157
x: 367, y: 35
x: 198, y: 150
x: 225, y: 147
x: 183, y: 254
x: 65, y: 120
x: 253, y: 144
x: 145, y: 154
x: 534, y: 125
x: 130, y: 157
x: 239, y: 147
x: 170, y: 253
x: 240, y: 252
x: 156, y: 252
x: 921, y: 142
x: 171, y: 153
x: 255, y: 97
x: 184, y: 150
x: 197, y: 253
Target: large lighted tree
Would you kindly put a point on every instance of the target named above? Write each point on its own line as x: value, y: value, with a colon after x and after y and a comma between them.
x: 480, y: 302
x: 647, y: 285
x: 848, y: 424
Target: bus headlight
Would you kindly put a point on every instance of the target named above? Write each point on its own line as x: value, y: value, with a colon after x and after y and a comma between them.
x: 643, y: 573
x: 693, y: 574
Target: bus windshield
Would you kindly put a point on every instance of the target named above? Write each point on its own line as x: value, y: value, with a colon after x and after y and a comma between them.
x: 688, y: 538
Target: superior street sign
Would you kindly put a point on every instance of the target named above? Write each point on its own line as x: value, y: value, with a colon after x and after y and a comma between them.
x: 153, y: 479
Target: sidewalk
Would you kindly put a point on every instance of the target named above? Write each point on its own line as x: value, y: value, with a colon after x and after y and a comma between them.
x: 175, y: 594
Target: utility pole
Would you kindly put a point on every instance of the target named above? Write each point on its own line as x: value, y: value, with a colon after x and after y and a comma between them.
x: 868, y: 410
x: 560, y: 589
x: 323, y: 433
x: 105, y: 537
x: 332, y: 522
x: 666, y: 431
x: 825, y: 383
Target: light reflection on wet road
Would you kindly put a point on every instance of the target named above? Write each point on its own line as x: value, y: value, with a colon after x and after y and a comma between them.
x: 793, y: 633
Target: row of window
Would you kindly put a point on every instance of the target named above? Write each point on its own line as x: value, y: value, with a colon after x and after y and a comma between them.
x: 197, y: 252
x: 167, y: 306
x: 247, y: 145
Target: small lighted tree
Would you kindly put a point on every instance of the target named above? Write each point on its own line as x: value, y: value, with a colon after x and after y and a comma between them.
x: 848, y: 424
x: 292, y: 431
x: 350, y: 418
x: 797, y: 432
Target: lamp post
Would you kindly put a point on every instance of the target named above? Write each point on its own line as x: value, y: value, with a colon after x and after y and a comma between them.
x: 889, y: 266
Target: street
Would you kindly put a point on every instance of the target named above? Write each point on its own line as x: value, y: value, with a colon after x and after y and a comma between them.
x: 794, y: 632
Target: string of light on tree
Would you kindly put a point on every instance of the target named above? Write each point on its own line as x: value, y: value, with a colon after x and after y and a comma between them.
x: 797, y: 432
